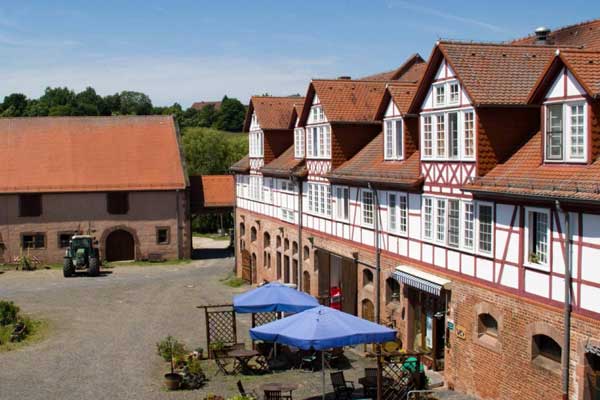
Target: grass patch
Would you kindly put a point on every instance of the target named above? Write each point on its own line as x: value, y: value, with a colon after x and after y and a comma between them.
x: 37, y: 331
x: 232, y: 281
x: 213, y: 236
x: 113, y: 264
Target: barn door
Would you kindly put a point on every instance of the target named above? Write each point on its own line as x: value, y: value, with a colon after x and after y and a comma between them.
x: 120, y: 246
x: 592, y: 378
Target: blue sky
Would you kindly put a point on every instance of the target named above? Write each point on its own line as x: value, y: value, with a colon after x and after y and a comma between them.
x: 199, y: 50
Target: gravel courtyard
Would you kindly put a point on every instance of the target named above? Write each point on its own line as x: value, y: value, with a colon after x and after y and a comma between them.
x: 102, y: 332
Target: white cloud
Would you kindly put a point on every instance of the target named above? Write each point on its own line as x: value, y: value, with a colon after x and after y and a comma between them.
x: 168, y: 79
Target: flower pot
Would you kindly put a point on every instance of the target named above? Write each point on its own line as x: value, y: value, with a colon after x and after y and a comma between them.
x: 172, y: 381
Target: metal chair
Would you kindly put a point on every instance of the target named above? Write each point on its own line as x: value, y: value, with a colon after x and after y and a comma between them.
x: 244, y: 393
x: 342, y: 388
x: 369, y: 389
x: 276, y: 395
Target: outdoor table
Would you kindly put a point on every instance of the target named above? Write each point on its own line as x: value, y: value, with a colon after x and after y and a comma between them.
x: 372, y: 381
x: 280, y: 387
x: 243, y: 356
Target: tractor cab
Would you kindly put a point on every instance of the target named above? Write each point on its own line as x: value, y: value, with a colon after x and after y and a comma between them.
x: 82, y: 254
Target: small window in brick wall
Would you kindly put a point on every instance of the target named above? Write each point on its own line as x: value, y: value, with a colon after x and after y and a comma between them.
x: 392, y: 291
x: 30, y: 205
x: 117, y: 202
x: 267, y: 239
x: 306, y: 255
x: 546, y: 352
x: 253, y: 234
x: 487, y: 325
x: 64, y: 238
x: 163, y: 235
x: 367, y: 277
x: 33, y: 240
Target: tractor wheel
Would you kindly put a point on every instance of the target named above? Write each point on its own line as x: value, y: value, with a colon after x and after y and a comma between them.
x: 94, y: 269
x: 68, y: 268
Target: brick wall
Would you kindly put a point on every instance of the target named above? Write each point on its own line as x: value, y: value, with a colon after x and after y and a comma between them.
x: 63, y: 212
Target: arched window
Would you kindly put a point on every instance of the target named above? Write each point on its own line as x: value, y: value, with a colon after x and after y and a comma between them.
x: 278, y: 241
x: 392, y: 291
x: 286, y: 244
x: 266, y: 239
x: 545, y: 351
x: 242, y: 229
x: 367, y: 310
x: 306, y: 282
x: 253, y: 234
x: 367, y: 277
x: 487, y: 325
x: 253, y: 268
x: 294, y: 248
x: 306, y: 254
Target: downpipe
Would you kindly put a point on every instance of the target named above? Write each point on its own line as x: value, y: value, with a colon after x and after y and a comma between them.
x: 567, y: 304
x: 377, y: 285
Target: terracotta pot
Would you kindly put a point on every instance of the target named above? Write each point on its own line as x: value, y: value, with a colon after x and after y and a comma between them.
x: 172, y: 381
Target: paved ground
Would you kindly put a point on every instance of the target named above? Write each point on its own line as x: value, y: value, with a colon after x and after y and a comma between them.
x: 102, y: 331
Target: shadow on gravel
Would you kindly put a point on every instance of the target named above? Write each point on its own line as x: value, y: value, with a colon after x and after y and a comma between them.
x: 102, y: 274
x: 205, y: 254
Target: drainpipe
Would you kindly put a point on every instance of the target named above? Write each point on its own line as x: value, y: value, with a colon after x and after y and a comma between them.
x: 178, y: 216
x: 298, y: 182
x: 567, y: 307
x: 377, y: 286
x: 235, y: 226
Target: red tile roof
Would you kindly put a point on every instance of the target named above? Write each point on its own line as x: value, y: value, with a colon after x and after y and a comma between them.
x: 67, y: 154
x: 345, y: 100
x: 272, y: 112
x: 524, y: 174
x: 284, y: 165
x: 402, y: 94
x: 410, y: 71
x: 217, y: 191
x: 368, y: 165
x: 585, y: 34
x: 199, y: 105
x: 241, y: 166
x: 585, y: 65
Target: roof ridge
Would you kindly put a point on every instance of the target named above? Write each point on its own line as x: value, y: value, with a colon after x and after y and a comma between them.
x: 74, y: 117
x: 560, y: 29
x: 277, y: 97
x: 505, y: 44
x: 350, y: 80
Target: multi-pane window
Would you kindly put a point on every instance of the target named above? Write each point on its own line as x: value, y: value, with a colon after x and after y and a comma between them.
x: 565, y: 132
x: 319, y: 199
x: 342, y: 205
x: 427, y: 217
x: 453, y: 223
x: 367, y: 208
x: 403, y: 205
x: 33, y: 240
x: 454, y: 93
x: 440, y: 94
x: 393, y: 212
x: 440, y: 222
x: 255, y: 188
x: 316, y: 115
x: 393, y: 144
x: 468, y: 225
x: 452, y: 136
x: 299, y: 142
x: 484, y: 220
x: 256, y: 139
x: 427, y: 137
x: 318, y: 142
x: 538, y: 237
x: 469, y: 134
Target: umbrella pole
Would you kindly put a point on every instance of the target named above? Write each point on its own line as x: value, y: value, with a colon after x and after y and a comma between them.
x: 323, y: 372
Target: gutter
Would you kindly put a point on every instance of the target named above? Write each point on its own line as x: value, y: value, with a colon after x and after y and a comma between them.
x: 415, y: 183
x: 530, y: 196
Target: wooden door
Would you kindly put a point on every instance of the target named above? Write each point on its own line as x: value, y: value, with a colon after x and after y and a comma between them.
x: 120, y: 246
x: 349, y: 286
x: 368, y: 310
x: 306, y: 282
x: 246, y: 266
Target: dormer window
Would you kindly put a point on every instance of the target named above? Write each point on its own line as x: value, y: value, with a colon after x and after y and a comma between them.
x: 446, y: 93
x: 299, y: 142
x: 566, y: 132
x: 454, y: 93
x: 317, y: 115
x: 393, y: 143
x: 318, y: 141
x: 440, y: 95
x: 256, y: 139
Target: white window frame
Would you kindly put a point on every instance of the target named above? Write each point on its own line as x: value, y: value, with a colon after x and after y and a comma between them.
x: 428, y: 214
x: 342, y: 203
x: 467, y: 225
x: 393, y: 212
x: 256, y: 143
x: 478, y: 206
x: 318, y: 141
x: 364, y: 208
x: 451, y: 85
x: 441, y: 220
x: 319, y: 199
x: 299, y: 142
x: 567, y: 139
x: 457, y: 220
x: 472, y: 139
x: 430, y: 139
x: 439, y: 93
x: 393, y: 143
x: 428, y: 131
x: 542, y: 266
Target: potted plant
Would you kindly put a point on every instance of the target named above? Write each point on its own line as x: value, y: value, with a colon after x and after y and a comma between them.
x: 170, y: 350
x: 200, y: 353
x: 534, y: 258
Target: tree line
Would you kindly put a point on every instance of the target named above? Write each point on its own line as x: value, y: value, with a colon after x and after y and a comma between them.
x: 62, y: 101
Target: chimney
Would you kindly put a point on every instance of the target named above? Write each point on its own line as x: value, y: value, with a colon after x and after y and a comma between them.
x: 541, y: 35
x: 344, y: 78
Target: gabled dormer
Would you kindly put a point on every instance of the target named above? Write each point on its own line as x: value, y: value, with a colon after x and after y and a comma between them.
x: 270, y: 126
x: 567, y: 93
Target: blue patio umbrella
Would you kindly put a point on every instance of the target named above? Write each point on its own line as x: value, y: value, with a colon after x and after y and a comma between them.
x: 322, y: 328
x: 273, y: 297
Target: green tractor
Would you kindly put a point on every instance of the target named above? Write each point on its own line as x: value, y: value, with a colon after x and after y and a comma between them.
x: 82, y: 255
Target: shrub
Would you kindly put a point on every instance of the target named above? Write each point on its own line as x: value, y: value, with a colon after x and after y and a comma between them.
x: 170, y: 349
x: 8, y: 313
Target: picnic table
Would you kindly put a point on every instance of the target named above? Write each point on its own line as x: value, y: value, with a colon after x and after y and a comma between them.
x: 279, y: 387
x: 243, y: 357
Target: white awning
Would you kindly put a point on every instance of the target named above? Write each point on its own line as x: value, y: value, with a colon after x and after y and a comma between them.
x: 421, y: 280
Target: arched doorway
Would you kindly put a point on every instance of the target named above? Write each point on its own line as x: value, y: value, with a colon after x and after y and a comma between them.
x: 253, y: 268
x: 368, y: 311
x: 120, y: 246
x: 306, y: 281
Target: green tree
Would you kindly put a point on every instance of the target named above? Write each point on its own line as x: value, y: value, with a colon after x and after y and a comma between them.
x: 14, y: 105
x: 36, y: 108
x: 207, y: 116
x: 208, y: 151
x: 231, y: 115
x: 60, y: 100
x: 88, y: 102
x: 134, y: 103
x: 112, y: 104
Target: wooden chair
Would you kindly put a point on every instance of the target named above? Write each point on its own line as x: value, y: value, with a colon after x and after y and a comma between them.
x: 244, y: 393
x: 369, y: 389
x: 222, y: 361
x: 342, y: 388
x: 276, y: 395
